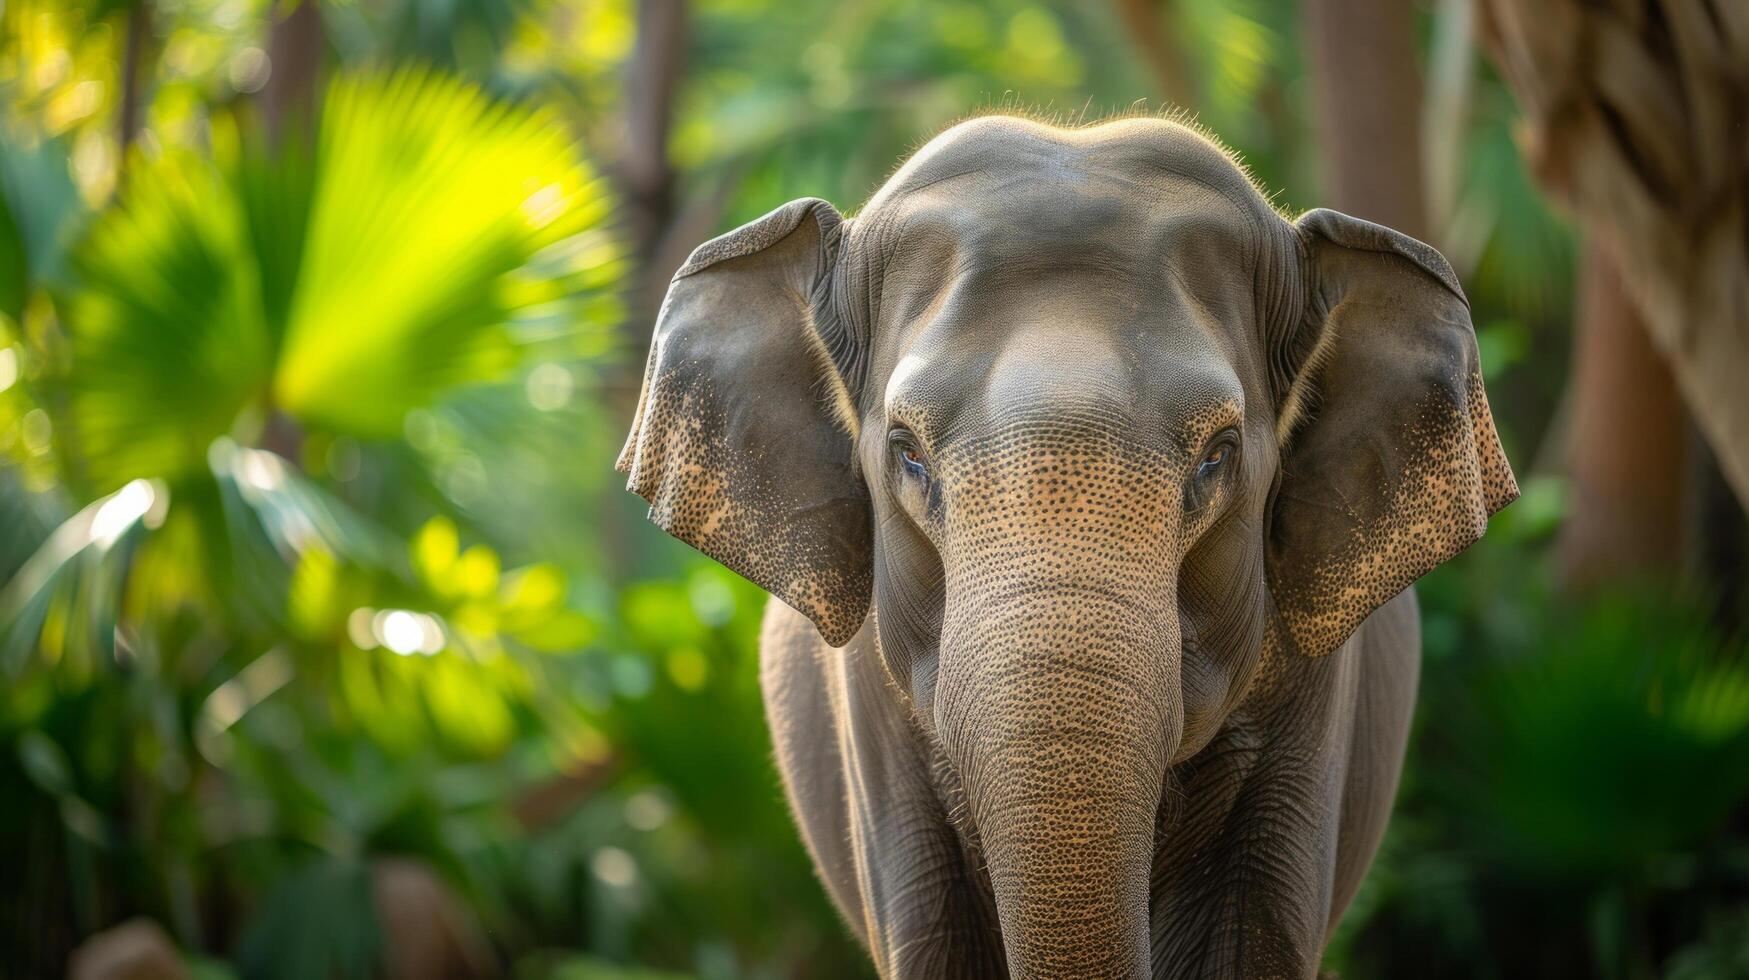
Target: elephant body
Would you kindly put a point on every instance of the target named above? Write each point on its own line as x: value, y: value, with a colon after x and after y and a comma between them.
x: 1090, y: 486
x: 1263, y: 837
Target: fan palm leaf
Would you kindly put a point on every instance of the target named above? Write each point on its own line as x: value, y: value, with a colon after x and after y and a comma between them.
x: 166, y: 327
x: 430, y: 199
x: 342, y: 284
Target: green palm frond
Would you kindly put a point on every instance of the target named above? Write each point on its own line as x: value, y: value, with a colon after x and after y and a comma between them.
x: 291, y: 513
x: 30, y: 517
x: 277, y: 522
x: 431, y: 198
x: 166, y: 326
x: 63, y: 602
x: 342, y: 285
x: 1628, y: 737
x: 1523, y: 253
x: 273, y: 193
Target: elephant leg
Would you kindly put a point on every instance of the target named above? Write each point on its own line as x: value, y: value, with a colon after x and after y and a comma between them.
x: 800, y: 715
x: 1247, y: 852
x: 1384, y: 705
x: 863, y: 791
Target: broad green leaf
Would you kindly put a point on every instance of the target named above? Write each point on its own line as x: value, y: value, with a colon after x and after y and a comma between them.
x: 535, y: 590
x: 477, y: 572
x: 564, y: 631
x: 434, y: 550
x: 467, y: 708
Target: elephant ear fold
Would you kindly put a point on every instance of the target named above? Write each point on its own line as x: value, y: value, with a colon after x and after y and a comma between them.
x: 743, y: 438
x: 1390, y: 461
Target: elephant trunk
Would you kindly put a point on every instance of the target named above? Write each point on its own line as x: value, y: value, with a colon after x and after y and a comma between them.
x: 1060, y: 709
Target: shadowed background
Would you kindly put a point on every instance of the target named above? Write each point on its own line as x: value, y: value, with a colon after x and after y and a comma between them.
x: 330, y: 645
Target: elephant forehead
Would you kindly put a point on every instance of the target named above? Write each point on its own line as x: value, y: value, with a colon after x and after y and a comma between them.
x: 1038, y: 290
x: 1018, y: 220
x: 1130, y: 151
x: 1004, y: 193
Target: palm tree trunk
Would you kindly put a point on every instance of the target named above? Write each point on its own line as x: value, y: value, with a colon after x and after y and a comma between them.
x: 1627, y: 448
x: 295, y: 45
x: 1149, y: 25
x: 646, y: 177
x: 1367, y: 89
x: 132, y: 99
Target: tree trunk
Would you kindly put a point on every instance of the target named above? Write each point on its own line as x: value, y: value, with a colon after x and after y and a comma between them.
x: 646, y: 177
x: 1716, y: 550
x: 132, y: 98
x: 1627, y: 448
x: 1634, y: 118
x: 295, y: 45
x: 1367, y: 90
x: 1148, y: 22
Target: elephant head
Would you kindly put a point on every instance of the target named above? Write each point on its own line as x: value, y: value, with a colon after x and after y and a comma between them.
x: 1095, y: 432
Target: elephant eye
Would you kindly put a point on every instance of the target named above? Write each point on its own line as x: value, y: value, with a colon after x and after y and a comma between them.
x: 1213, y: 459
x: 911, y: 458
x: 1209, y: 469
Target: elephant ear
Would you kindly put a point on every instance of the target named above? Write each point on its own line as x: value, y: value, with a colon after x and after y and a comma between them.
x: 1390, y: 461
x: 742, y: 443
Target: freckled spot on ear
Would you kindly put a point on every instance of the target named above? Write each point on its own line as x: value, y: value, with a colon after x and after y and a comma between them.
x: 733, y: 445
x: 1455, y: 478
x: 732, y: 507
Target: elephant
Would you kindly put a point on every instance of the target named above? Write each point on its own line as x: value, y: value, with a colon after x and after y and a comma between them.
x: 1091, y: 488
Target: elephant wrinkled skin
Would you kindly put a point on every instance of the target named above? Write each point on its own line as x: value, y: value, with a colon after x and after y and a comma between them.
x: 1091, y: 487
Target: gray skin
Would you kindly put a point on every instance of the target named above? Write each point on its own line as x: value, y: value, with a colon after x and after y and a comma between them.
x: 1091, y: 487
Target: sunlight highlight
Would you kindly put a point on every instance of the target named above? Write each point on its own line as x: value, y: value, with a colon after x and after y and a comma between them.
x: 123, y: 508
x: 402, y: 631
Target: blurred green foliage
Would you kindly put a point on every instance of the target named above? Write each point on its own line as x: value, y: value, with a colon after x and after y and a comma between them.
x: 314, y: 562
x: 1574, y: 802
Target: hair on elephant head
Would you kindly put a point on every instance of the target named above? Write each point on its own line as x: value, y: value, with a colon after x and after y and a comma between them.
x: 1093, y: 430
